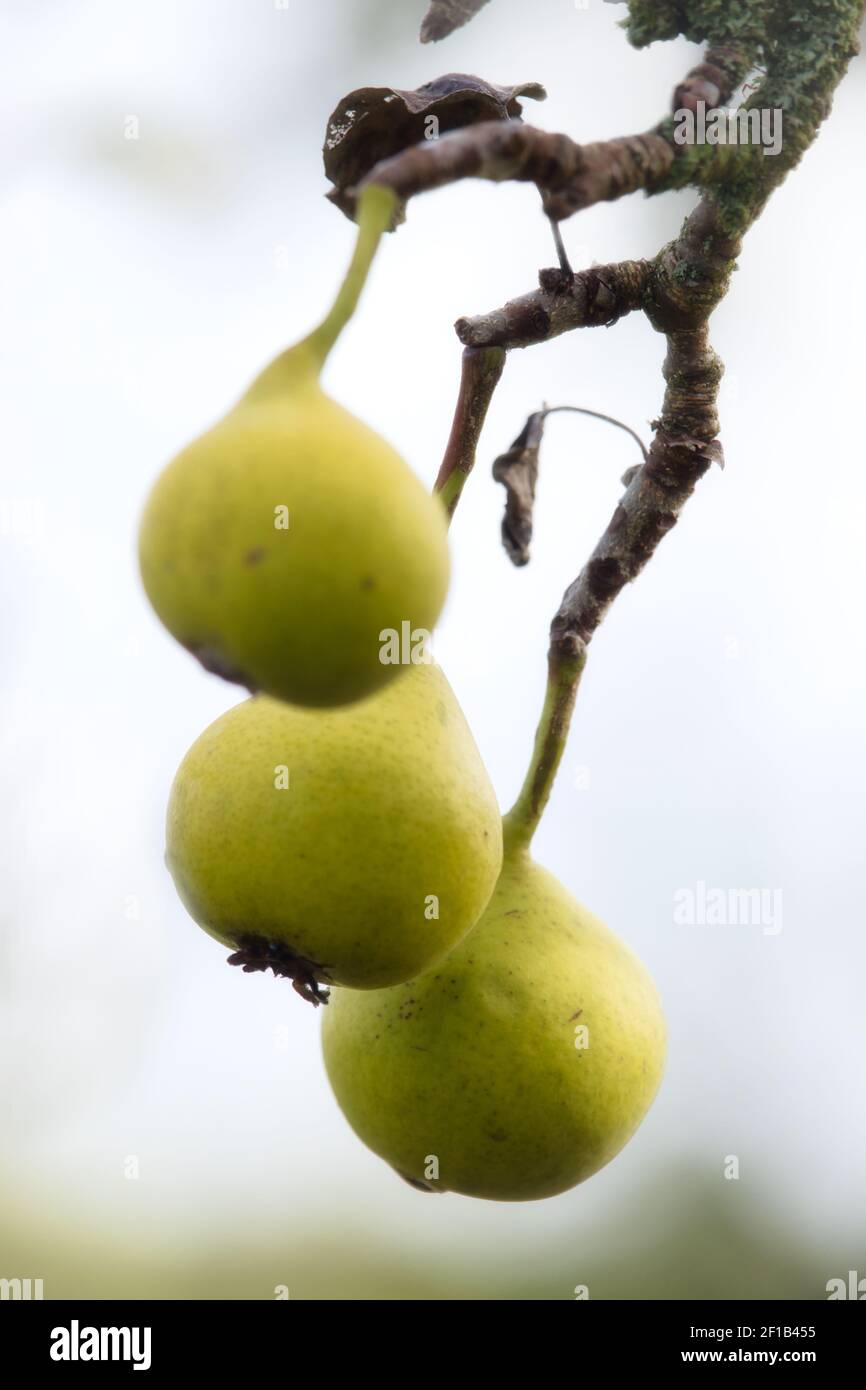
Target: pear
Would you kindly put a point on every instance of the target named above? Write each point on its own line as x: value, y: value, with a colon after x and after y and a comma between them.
x: 352, y: 846
x: 289, y: 543
x: 517, y: 1067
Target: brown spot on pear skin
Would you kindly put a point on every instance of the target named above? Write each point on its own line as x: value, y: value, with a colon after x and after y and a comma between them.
x: 255, y: 556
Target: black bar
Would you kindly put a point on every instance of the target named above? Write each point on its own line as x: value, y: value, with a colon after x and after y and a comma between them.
x: 243, y: 1336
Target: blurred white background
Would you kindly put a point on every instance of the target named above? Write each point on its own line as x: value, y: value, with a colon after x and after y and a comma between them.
x: 719, y: 735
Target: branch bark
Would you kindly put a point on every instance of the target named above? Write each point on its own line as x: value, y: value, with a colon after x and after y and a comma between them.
x: 806, y: 51
x: 683, y: 449
x: 569, y: 176
x: 444, y: 16
x: 686, y: 281
x: 599, y: 296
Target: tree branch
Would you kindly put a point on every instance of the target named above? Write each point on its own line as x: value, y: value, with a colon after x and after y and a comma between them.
x: 715, y: 78
x: 685, y: 283
x: 599, y: 296
x: 806, y: 51
x: 683, y: 449
x: 570, y: 176
x: 444, y: 16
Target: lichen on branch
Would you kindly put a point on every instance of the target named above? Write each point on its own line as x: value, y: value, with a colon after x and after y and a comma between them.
x: 806, y: 53
x: 802, y: 51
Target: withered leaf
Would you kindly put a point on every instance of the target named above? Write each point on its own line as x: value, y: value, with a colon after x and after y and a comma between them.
x: 517, y: 470
x: 444, y: 16
x: 373, y: 123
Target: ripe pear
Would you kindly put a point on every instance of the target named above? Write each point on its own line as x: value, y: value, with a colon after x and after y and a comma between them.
x: 352, y: 846
x: 286, y: 544
x: 517, y: 1067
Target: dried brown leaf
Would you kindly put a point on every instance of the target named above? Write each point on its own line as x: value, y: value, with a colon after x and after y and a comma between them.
x: 373, y: 123
x: 517, y: 470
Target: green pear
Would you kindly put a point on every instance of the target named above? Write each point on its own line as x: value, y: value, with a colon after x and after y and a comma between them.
x: 287, y: 544
x: 352, y: 846
x: 517, y: 1067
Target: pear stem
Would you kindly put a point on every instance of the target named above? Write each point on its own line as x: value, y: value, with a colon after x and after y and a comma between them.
x: 375, y: 211
x: 565, y: 663
x: 480, y: 371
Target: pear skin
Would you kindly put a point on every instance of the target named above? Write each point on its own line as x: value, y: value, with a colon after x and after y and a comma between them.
x: 282, y: 545
x: 517, y: 1067
x: 353, y: 846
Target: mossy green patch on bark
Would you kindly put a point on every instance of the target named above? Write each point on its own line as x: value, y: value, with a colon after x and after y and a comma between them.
x: 702, y: 21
